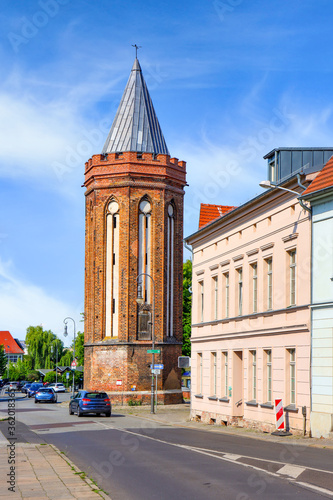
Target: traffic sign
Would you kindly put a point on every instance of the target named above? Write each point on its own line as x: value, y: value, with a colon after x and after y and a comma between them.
x: 74, y: 364
x: 154, y: 351
x: 119, y: 382
x: 156, y: 372
x: 159, y: 366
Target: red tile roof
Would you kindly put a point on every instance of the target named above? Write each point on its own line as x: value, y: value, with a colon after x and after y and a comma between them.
x: 323, y: 180
x: 208, y: 213
x: 7, y: 341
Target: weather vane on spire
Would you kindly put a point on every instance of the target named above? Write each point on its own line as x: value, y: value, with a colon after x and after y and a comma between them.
x: 137, y: 47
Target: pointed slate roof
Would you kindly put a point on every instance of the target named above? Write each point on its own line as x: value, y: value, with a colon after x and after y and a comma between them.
x: 136, y: 127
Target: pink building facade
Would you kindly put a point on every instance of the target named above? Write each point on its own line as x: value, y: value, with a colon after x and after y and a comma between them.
x: 251, y: 315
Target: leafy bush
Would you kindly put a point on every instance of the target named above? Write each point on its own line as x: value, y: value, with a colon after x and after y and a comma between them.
x: 134, y: 402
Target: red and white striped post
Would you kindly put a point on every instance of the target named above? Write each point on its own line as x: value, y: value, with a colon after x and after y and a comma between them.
x: 279, y: 415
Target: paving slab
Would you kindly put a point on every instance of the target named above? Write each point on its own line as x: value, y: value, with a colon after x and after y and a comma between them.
x: 42, y: 472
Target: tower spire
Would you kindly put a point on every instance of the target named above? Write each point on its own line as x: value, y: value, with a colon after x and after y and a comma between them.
x: 136, y: 127
x: 137, y: 47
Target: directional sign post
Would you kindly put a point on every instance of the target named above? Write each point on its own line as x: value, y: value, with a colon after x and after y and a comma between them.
x: 154, y: 351
x: 159, y: 366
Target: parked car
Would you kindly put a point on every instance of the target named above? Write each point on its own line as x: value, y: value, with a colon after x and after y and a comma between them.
x: 21, y: 384
x: 45, y: 394
x: 13, y: 386
x: 3, y: 382
x: 34, y: 388
x: 26, y: 387
x: 90, y: 402
x: 57, y: 387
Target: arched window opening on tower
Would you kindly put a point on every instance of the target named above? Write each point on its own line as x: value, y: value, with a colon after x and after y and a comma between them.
x: 170, y: 268
x: 144, y: 267
x: 112, y: 269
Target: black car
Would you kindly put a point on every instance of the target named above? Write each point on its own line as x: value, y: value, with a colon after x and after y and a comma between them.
x: 90, y: 402
x: 21, y: 384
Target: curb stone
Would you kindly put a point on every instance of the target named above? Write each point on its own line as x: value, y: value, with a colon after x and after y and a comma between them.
x: 90, y: 483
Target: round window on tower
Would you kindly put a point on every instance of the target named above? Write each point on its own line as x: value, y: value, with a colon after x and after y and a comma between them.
x: 170, y: 210
x: 145, y: 207
x: 113, y: 207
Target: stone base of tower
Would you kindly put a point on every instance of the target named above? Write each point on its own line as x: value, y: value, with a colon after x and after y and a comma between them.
x: 123, y: 370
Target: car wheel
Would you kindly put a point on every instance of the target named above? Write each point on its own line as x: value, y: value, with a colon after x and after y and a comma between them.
x: 36, y: 401
x: 108, y: 414
x: 70, y: 410
x: 79, y: 412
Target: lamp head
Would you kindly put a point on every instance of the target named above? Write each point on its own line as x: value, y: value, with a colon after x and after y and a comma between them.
x: 140, y: 299
x: 266, y: 184
x: 65, y: 330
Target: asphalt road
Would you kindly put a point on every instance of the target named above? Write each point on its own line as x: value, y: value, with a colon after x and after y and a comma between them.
x: 135, y: 458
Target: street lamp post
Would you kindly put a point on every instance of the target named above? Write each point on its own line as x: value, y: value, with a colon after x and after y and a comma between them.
x: 140, y: 300
x: 65, y: 335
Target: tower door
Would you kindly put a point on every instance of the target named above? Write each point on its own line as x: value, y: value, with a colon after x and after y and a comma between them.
x: 237, y: 384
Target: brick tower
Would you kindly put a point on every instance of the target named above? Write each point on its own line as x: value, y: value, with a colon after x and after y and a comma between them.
x: 134, y: 240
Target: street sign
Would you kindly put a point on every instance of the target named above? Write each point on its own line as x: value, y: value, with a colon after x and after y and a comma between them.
x: 184, y: 361
x: 154, y: 351
x: 156, y: 372
x: 74, y: 364
x: 159, y: 366
x: 67, y: 375
x: 119, y: 382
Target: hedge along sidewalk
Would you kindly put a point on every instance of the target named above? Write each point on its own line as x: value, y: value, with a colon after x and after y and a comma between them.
x: 43, y: 472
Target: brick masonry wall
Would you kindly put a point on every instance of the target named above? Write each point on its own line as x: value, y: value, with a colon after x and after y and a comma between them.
x: 128, y: 179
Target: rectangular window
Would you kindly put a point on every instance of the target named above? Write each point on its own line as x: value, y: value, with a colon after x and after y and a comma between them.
x: 199, y: 372
x: 269, y: 264
x: 254, y: 288
x: 292, y: 376
x: 253, y: 368
x: 226, y: 294
x: 201, y: 301
x: 292, y: 277
x: 213, y: 379
x: 224, y: 371
x: 268, y: 375
x: 240, y: 291
x: 215, y: 297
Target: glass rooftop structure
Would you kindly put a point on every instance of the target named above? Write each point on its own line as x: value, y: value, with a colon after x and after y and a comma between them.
x: 287, y: 162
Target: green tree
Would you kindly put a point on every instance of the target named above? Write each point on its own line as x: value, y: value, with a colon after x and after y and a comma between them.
x: 50, y: 377
x: 33, y: 376
x: 42, y: 347
x: 66, y: 358
x: 21, y: 370
x: 79, y: 348
x: 3, y: 360
x: 187, y: 307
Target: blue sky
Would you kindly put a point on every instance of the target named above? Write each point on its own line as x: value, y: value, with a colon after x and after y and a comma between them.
x: 230, y: 80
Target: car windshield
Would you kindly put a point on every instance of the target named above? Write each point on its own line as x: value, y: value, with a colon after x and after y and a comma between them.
x: 46, y: 390
x: 96, y: 395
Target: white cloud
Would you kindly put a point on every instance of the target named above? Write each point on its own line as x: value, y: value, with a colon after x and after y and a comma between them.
x: 23, y: 304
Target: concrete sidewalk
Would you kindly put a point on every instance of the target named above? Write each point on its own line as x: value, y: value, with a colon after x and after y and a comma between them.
x: 42, y: 472
x: 179, y: 415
